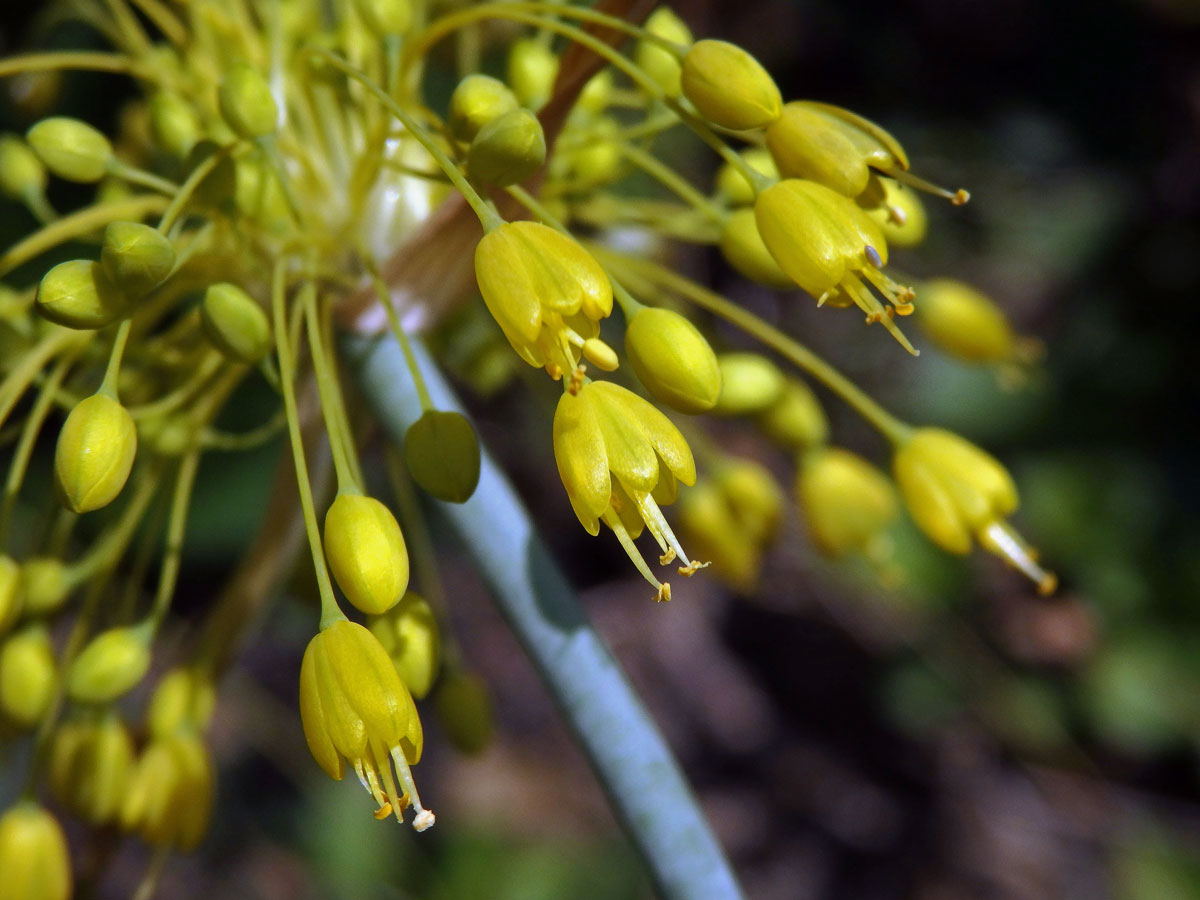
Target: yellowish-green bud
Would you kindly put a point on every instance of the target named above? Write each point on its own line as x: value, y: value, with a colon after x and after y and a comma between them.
x: 754, y: 498
x: 366, y: 552
x: 90, y: 767
x: 246, y: 103
x: 33, y: 855
x: 795, y: 421
x: 94, y: 454
x: 173, y: 124
x: 79, y: 294
x: 749, y: 384
x: 707, y: 525
x: 743, y: 248
x: 673, y: 360
x: 71, y: 149
x: 508, y: 149
x: 409, y: 633
x: 136, y: 257
x: 184, y: 699
x: 964, y: 322
x: 441, y: 451
x: 729, y: 87
x: 170, y: 794
x: 111, y: 665
x: 656, y: 61
x: 732, y: 184
x: 28, y: 676
x: 847, y: 503
x: 596, y: 93
x: 597, y: 158
x: 385, y: 17
x: 258, y: 195
x: 477, y: 100
x: 235, y: 323
x: 46, y: 582
x: 11, y: 592
x: 464, y: 708
x: 21, y: 172
x: 532, y: 68
x: 897, y: 209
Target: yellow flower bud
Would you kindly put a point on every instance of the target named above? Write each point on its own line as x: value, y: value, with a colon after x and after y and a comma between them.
x: 33, y: 855
x: 847, y: 503
x: 753, y: 497
x: 532, y: 68
x: 743, y: 248
x: 246, y: 103
x: 173, y: 124
x: 477, y: 100
x: 169, y: 798
x: 111, y: 664
x: 71, y: 149
x: 965, y: 323
x: 595, y: 96
x: 673, y: 360
x: 659, y: 63
x: 729, y: 87
x: 464, y: 708
x: 409, y: 633
x: 79, y: 294
x: 21, y: 173
x: 11, y: 592
x: 832, y: 146
x: 184, y: 699
x: 258, y: 196
x: 897, y: 209
x: 385, y: 17
x: 355, y: 708
x: 136, y: 257
x: 28, y: 675
x: 749, y: 384
x: 955, y: 492
x: 708, y: 526
x: 596, y: 157
x: 795, y: 421
x: 90, y: 766
x: 235, y: 323
x: 47, y: 582
x: 366, y: 552
x: 732, y: 184
x: 508, y: 149
x: 441, y: 451
x: 94, y: 454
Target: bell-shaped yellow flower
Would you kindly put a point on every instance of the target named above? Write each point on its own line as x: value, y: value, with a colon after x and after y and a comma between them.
x: 170, y: 794
x: 619, y: 458
x: 847, y: 503
x: 355, y: 708
x: 90, y: 765
x: 34, y: 863
x: 409, y: 633
x: 956, y: 492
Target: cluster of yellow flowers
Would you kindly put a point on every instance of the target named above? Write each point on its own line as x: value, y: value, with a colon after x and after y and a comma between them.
x: 284, y: 173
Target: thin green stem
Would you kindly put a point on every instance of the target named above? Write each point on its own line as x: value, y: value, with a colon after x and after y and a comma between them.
x: 134, y: 175
x: 185, y: 191
x: 670, y: 179
x: 330, y: 393
x: 401, y: 337
x: 91, y: 61
x: 108, y: 386
x: 185, y: 480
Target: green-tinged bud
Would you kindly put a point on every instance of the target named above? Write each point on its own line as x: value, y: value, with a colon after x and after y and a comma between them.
x: 965, y: 323
x: 729, y: 87
x: 90, y: 766
x: 409, y: 633
x: 173, y: 124
x: 847, y: 503
x: 659, y: 63
x: 897, y: 209
x: 385, y: 18
x: 111, y: 665
x: 28, y: 676
x: 732, y: 184
x: 532, y: 68
x: 597, y: 157
x: 235, y: 323
x: 258, y: 195
x: 21, y: 172
x: 595, y: 96
x: 796, y: 420
x: 46, y: 582
x: 507, y: 149
x: 95, y: 452
x: 832, y: 146
x: 673, y: 360
x: 79, y: 294
x: 11, y: 592
x: 754, y: 498
x: 956, y: 492
x: 170, y: 795
x: 706, y: 523
x: 749, y: 384
x: 441, y: 451
x: 246, y: 103
x: 136, y: 257
x: 477, y: 100
x: 464, y: 709
x: 183, y: 700
x: 743, y: 248
x: 33, y: 855
x: 366, y: 552
x: 71, y: 149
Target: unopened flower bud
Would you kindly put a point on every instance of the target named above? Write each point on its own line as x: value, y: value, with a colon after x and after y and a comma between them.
x: 170, y: 795
x: 46, y: 582
x: 258, y: 196
x: 136, y: 257
x: 183, y: 700
x: 532, y: 68
x: 385, y: 17
x: 33, y: 855
x: 71, y: 149
x: 95, y: 452
x: 754, y: 498
x: 749, y: 384
x: 656, y: 61
x: 597, y: 158
x: 795, y: 421
x: 964, y: 322
x: 111, y: 664
x: 729, y: 87
x: 464, y: 709
x: 246, y: 103
x: 366, y: 552
x: 21, y: 172
x: 11, y: 592
x: 409, y: 633
x: 673, y: 360
x: 235, y: 323
x: 732, y: 184
x: 477, y: 100
x: 90, y: 766
x: 173, y: 124
x: 507, y: 149
x: 743, y: 248
x: 596, y: 93
x: 28, y: 676
x: 707, y: 524
x: 846, y: 502
x: 79, y: 294
x: 441, y: 451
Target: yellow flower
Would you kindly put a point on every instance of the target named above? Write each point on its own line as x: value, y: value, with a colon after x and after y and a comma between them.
x: 170, y: 794
x: 34, y: 864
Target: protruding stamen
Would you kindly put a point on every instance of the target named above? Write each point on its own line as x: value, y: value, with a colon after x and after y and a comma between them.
x: 656, y: 523
x: 600, y: 355
x: 873, y: 256
x: 958, y: 197
x: 575, y: 385
x: 613, y: 521
x: 868, y: 303
x: 1003, y: 540
x: 425, y: 817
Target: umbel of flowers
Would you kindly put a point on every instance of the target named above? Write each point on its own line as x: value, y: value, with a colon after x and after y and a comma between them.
x: 281, y: 176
